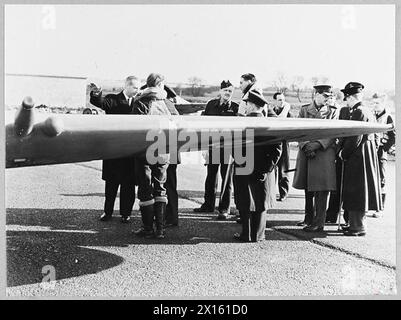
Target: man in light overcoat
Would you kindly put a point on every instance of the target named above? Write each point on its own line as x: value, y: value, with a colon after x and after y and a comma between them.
x: 315, y: 166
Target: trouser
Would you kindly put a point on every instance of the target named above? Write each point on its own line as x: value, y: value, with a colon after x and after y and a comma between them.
x: 211, y: 186
x: 253, y: 225
x: 251, y: 193
x: 315, y: 207
x: 172, y: 195
x: 320, y: 207
x: 382, y: 170
x: 282, y: 174
x: 356, y: 220
x: 151, y: 182
x: 334, y: 208
x: 127, y: 197
x: 152, y: 192
x: 309, y: 207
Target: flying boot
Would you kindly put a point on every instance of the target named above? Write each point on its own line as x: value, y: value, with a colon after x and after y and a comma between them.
x: 160, y: 212
x: 147, y: 214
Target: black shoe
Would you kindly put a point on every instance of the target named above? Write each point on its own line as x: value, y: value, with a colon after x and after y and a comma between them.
x: 125, y: 219
x: 352, y: 233
x: 282, y: 198
x: 222, y: 216
x: 105, y: 217
x: 239, y: 220
x: 144, y: 233
x: 345, y: 227
x: 159, y: 234
x: 302, y: 223
x: 313, y: 229
x: 203, y: 209
x: 238, y: 237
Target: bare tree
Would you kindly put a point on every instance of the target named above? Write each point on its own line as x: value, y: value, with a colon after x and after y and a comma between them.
x: 281, y: 82
x: 195, y: 84
x: 296, y: 85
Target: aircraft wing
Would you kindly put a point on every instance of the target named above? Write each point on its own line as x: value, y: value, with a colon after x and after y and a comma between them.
x: 42, y: 139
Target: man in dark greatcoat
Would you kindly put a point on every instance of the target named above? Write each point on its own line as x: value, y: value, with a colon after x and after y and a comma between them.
x: 222, y: 106
x: 255, y: 193
x: 117, y: 172
x: 361, y: 185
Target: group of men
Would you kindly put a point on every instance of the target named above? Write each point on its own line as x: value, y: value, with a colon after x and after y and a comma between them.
x: 156, y: 182
x: 347, y: 169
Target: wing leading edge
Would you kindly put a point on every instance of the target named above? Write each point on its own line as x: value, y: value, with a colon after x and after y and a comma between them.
x: 41, y: 139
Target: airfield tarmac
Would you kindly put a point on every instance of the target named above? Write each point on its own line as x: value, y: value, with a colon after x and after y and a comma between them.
x: 52, y: 220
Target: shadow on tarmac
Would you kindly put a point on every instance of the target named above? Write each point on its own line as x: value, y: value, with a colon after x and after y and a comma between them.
x: 181, y: 194
x: 62, y: 238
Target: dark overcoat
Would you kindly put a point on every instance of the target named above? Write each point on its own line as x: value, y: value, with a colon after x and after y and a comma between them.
x: 257, y: 191
x: 361, y: 188
x: 387, y: 139
x: 122, y: 169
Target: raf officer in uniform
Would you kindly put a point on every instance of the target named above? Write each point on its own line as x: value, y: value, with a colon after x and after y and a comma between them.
x: 316, y: 171
x: 255, y: 193
x: 361, y: 185
x: 222, y: 106
x: 117, y: 172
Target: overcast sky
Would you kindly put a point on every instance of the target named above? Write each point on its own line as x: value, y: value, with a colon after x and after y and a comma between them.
x: 213, y: 42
